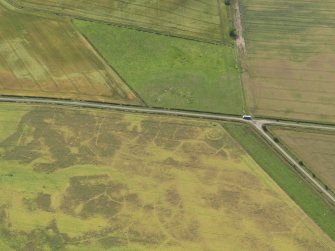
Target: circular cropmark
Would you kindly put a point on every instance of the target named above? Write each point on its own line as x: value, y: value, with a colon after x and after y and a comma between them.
x: 214, y: 133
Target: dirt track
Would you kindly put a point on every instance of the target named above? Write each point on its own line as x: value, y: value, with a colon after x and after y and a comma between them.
x: 240, y: 42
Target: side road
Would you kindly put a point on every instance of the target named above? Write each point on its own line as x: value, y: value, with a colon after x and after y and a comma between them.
x: 257, y: 124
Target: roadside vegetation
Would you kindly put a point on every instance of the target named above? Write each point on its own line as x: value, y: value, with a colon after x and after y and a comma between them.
x: 285, y: 177
x: 171, y: 72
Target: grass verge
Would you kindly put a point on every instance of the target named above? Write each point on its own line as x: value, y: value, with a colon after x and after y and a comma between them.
x: 285, y: 177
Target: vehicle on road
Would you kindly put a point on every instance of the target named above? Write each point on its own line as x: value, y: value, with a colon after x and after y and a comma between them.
x: 247, y: 117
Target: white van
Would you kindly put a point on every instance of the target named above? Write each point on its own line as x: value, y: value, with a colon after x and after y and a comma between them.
x: 247, y: 117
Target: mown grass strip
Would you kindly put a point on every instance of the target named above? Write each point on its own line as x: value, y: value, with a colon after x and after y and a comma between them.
x: 285, y: 177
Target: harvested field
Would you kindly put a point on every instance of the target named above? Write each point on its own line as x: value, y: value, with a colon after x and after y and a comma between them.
x: 49, y: 58
x: 205, y: 20
x: 171, y: 72
x: 92, y: 180
x: 316, y: 148
x: 290, y: 58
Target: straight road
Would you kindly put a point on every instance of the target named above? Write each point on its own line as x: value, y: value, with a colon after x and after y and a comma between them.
x: 126, y: 108
x: 256, y: 123
x: 261, y: 122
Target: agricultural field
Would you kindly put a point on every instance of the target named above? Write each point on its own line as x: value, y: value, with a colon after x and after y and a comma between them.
x: 82, y: 179
x: 48, y: 58
x: 290, y: 57
x: 316, y: 148
x: 282, y: 173
x: 201, y: 20
x: 171, y: 72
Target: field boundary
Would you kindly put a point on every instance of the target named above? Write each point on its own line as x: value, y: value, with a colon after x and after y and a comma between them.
x: 105, y: 62
x: 225, y: 29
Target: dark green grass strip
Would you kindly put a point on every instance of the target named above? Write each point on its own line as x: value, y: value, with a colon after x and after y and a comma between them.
x: 285, y: 177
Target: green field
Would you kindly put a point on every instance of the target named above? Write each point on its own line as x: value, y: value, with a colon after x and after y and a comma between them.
x: 85, y: 179
x: 47, y: 57
x: 171, y: 72
x: 289, y: 181
x: 201, y: 20
x: 289, y: 64
x: 314, y: 147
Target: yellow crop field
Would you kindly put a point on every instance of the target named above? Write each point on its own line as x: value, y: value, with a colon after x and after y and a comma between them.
x: 75, y: 179
x: 201, y: 20
x: 48, y: 58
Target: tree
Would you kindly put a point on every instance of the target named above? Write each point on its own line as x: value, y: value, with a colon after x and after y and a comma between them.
x: 233, y: 34
x: 264, y: 128
x: 227, y: 2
